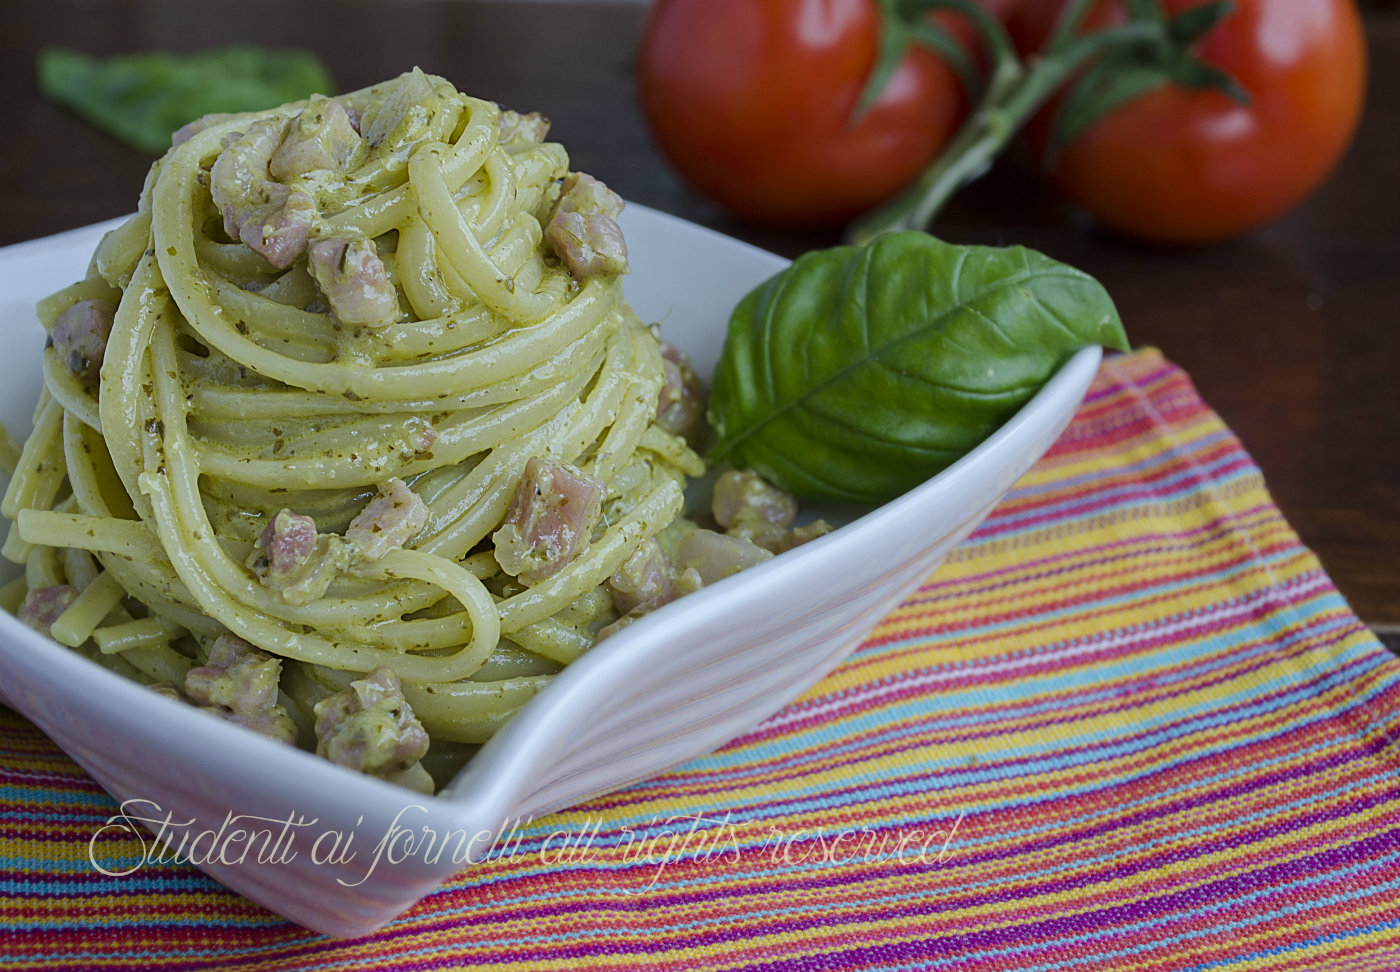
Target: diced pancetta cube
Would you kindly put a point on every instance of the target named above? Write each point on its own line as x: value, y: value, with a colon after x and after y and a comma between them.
x: 797, y: 536
x: 550, y: 520
x: 370, y: 727
x: 43, y: 605
x: 412, y: 95
x: 582, y: 228
x: 677, y: 585
x: 293, y: 559
x: 680, y: 407
x: 588, y: 244
x: 715, y: 556
x: 394, y: 515
x: 287, y: 542
x: 743, y: 495
x: 581, y: 193
x: 281, y: 236
x: 751, y: 508
x: 354, y: 280
x: 321, y: 137
x: 80, y: 334
x: 239, y: 683
x: 236, y: 676
x: 516, y: 128
x: 268, y: 217
x: 646, y: 575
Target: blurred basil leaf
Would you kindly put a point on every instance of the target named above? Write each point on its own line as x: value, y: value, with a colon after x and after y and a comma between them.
x: 143, y: 98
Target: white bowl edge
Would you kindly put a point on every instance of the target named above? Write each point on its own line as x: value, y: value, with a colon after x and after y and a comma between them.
x: 111, y: 725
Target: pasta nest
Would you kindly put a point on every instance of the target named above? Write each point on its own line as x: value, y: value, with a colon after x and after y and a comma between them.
x: 231, y: 390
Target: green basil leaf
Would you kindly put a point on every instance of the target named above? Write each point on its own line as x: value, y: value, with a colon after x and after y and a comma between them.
x: 857, y: 373
x: 143, y: 98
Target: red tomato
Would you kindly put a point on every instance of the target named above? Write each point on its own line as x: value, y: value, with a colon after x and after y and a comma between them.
x: 1193, y: 166
x: 752, y: 101
x: 1003, y: 10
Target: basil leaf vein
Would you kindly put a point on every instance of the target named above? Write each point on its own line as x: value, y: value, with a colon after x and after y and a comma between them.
x: 857, y: 373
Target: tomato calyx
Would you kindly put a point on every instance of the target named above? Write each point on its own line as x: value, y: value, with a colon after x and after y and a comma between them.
x: 752, y: 103
x: 1127, y: 72
x: 1106, y: 68
x: 906, y: 22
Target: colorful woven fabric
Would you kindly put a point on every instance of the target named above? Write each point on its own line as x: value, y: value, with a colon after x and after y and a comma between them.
x: 1130, y: 725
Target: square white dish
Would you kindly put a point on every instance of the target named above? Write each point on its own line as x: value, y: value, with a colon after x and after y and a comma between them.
x: 670, y: 687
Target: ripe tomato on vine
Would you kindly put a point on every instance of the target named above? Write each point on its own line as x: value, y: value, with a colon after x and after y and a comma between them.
x: 1173, y: 120
x: 1185, y: 164
x: 755, y: 103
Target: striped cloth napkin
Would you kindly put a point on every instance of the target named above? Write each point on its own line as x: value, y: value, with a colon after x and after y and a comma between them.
x: 1130, y: 725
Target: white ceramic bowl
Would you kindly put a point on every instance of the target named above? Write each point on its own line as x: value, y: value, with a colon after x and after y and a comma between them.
x: 676, y: 684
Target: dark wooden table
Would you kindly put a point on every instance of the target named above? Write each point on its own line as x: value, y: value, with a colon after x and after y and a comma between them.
x: 1292, y: 334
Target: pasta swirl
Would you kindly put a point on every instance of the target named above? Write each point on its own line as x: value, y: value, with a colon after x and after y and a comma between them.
x: 341, y: 336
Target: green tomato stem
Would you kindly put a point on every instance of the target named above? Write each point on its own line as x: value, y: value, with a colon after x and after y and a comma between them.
x: 1014, y: 93
x: 1068, y: 24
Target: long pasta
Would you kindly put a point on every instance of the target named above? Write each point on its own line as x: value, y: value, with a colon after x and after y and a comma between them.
x: 234, y: 387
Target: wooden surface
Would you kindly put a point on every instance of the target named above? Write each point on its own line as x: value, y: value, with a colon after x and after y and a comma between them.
x: 1291, y: 334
